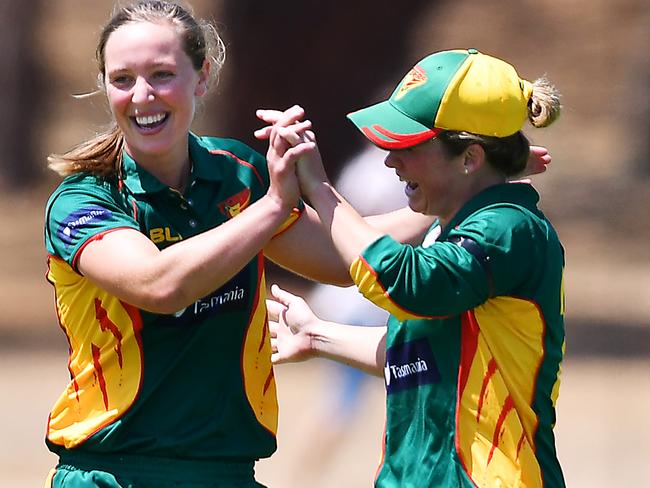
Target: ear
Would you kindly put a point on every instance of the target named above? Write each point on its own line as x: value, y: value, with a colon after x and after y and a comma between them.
x: 474, y: 158
x: 204, y: 76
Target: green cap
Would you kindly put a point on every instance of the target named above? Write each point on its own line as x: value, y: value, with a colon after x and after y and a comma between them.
x: 459, y: 90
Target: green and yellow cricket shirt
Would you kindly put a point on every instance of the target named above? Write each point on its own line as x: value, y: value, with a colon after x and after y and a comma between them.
x: 197, y: 384
x: 474, y: 346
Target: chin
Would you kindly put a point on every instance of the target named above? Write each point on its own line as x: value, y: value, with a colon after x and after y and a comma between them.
x: 416, y: 208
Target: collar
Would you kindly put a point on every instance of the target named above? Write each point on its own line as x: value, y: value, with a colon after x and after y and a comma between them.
x: 139, y: 180
x: 520, y: 194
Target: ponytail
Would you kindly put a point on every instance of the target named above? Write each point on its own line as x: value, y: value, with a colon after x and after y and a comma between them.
x: 100, y: 155
x: 544, y: 104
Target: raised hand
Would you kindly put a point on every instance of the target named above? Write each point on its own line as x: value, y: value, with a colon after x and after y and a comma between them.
x: 281, y: 156
x: 290, y: 319
x: 291, y: 139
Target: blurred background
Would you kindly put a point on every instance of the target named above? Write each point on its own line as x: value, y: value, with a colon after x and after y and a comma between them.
x: 333, y: 59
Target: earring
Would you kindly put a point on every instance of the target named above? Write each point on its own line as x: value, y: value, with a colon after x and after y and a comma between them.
x: 466, y: 171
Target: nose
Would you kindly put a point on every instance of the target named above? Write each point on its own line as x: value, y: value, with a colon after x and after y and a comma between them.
x: 391, y: 160
x: 142, y: 91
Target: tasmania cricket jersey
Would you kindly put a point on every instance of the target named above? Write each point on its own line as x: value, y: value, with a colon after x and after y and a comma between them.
x: 196, y: 384
x: 474, y: 346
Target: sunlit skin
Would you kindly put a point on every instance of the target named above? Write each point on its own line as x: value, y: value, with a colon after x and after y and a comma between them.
x: 148, y: 74
x: 439, y: 185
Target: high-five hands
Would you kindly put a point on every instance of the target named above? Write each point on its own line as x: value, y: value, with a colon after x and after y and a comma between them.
x: 293, y: 141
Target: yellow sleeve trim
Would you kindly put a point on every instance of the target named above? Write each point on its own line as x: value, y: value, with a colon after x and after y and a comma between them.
x: 366, y: 280
x: 293, y: 216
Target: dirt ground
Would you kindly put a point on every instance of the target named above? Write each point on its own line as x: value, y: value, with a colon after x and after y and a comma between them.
x: 603, y: 432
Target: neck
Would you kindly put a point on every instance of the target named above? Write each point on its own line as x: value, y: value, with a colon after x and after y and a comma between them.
x: 172, y: 169
x: 466, y: 193
x: 176, y: 177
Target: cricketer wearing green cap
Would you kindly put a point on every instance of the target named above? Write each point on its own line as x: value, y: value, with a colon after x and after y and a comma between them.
x: 471, y: 353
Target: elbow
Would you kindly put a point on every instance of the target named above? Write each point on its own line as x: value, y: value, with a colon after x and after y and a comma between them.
x: 164, y: 301
x: 332, y: 277
x: 343, y: 281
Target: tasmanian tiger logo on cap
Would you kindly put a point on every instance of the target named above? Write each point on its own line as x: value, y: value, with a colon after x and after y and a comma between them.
x: 414, y: 78
x: 236, y: 203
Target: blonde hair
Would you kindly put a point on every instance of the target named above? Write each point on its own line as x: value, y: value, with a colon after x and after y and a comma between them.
x: 102, y: 154
x: 509, y: 154
x: 544, y: 105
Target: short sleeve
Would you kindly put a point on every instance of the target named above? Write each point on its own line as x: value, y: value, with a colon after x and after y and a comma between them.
x: 444, y: 278
x: 75, y: 215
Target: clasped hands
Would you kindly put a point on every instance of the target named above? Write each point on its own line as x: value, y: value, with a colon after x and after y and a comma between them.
x: 294, y: 162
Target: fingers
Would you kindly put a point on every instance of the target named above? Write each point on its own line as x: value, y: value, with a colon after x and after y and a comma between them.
x: 273, y: 116
x: 268, y: 115
x: 540, y: 152
x: 274, y: 309
x: 541, y: 157
x: 263, y: 133
x: 283, y: 296
x: 286, y: 118
x: 295, y: 133
x: 295, y: 153
x: 310, y: 136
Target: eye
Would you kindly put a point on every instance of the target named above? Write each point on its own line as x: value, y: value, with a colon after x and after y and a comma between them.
x: 163, y: 75
x: 121, y: 81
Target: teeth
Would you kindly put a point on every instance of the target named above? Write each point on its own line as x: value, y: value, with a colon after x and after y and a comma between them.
x: 149, y: 119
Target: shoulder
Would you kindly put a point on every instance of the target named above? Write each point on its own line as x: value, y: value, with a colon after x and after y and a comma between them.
x: 83, y: 184
x: 500, y: 219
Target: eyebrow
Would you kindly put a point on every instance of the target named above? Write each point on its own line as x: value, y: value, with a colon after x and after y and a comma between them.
x: 159, y: 64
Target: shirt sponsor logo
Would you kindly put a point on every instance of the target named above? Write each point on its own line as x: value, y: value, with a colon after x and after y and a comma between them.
x: 410, y: 365
x: 163, y: 234
x: 79, y: 219
x: 230, y: 297
x: 222, y: 300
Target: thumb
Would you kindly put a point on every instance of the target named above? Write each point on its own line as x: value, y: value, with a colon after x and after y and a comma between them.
x: 281, y: 295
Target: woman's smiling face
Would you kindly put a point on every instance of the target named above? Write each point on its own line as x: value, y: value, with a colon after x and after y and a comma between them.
x: 432, y: 178
x: 151, y: 87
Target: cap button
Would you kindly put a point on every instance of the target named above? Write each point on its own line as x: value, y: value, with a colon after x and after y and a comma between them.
x: 472, y: 51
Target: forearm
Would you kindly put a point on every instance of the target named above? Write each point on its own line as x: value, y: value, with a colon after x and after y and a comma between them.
x: 403, y: 225
x: 169, y: 280
x: 306, y: 249
x: 361, y: 347
x: 208, y: 260
x: 350, y: 233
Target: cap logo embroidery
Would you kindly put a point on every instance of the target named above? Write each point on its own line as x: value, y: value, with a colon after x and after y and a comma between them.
x: 231, y: 206
x: 414, y: 78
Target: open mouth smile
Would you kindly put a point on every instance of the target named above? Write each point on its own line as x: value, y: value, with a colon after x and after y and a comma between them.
x: 411, y: 186
x: 150, y: 122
